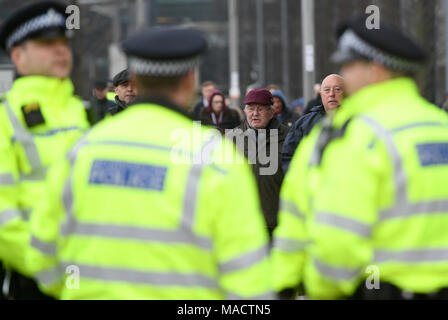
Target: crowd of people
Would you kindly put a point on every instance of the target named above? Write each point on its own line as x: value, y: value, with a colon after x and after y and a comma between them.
x: 104, y: 202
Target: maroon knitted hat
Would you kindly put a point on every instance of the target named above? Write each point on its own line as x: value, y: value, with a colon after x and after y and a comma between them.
x: 259, y: 96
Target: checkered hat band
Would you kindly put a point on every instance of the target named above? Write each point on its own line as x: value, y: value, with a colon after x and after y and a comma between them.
x: 349, y: 40
x: 162, y: 68
x: 47, y: 20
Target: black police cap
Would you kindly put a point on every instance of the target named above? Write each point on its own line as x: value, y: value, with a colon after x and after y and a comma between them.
x: 385, y: 45
x: 164, y: 52
x: 121, y: 77
x: 45, y: 19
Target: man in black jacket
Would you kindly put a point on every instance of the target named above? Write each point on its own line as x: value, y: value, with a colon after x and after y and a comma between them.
x: 332, y: 93
x: 125, y: 90
x: 100, y: 104
x: 206, y: 90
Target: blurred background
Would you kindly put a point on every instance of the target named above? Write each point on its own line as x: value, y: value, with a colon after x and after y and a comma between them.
x: 251, y: 42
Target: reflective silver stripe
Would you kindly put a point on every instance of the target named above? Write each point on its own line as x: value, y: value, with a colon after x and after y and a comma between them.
x: 7, y: 179
x: 200, y: 160
x: 141, y: 277
x: 263, y: 296
x: 244, y: 261
x: 56, y: 131
x: 26, y: 214
x: 291, y: 207
x: 413, y: 256
x: 345, y: 223
x: 139, y: 145
x: 399, y: 174
x: 403, y: 207
x: 418, y: 125
x: 8, y: 215
x: 410, y: 209
x: 336, y: 273
x: 67, y: 195
x: 289, y: 245
x: 50, y: 276
x: 37, y: 175
x: 138, y: 233
x: 25, y: 138
x: 43, y: 247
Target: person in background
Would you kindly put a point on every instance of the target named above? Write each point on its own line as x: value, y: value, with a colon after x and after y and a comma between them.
x: 315, y: 101
x: 298, y: 105
x: 125, y: 91
x: 332, y: 93
x: 256, y: 137
x: 282, y: 112
x: 207, y: 88
x: 218, y: 114
x: 100, y: 105
x: 273, y: 87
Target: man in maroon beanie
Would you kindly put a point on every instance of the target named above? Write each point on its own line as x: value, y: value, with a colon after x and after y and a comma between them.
x: 260, y: 136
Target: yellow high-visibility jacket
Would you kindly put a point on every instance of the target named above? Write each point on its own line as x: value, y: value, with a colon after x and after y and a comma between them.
x: 372, y: 201
x: 145, y: 207
x: 40, y: 119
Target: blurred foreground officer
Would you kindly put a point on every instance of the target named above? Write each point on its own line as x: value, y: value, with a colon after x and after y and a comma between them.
x: 40, y: 118
x: 143, y: 217
x: 366, y: 197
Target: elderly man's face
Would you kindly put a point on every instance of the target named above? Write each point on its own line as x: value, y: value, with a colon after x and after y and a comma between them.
x: 258, y: 115
x: 332, y: 92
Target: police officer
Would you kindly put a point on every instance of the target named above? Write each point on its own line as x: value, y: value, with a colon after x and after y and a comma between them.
x: 40, y: 118
x: 369, y: 220
x: 144, y: 208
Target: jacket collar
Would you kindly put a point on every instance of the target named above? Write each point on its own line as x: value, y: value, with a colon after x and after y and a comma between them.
x: 48, y: 91
x: 163, y: 102
x: 376, y: 95
x: 121, y: 105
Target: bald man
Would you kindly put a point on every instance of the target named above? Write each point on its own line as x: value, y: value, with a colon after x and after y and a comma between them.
x: 332, y: 93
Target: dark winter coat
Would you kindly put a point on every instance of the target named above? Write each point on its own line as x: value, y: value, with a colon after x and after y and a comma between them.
x: 312, y: 103
x: 268, y: 184
x: 299, y: 130
x: 119, y: 106
x: 288, y: 117
x: 197, y: 109
x: 98, y: 109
